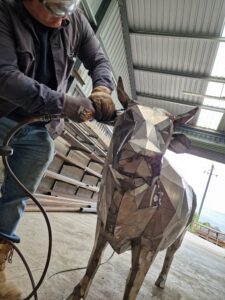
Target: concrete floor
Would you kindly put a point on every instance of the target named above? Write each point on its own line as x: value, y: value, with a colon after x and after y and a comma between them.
x: 198, y: 270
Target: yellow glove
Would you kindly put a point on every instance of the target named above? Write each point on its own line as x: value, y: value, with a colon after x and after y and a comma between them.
x: 103, y: 104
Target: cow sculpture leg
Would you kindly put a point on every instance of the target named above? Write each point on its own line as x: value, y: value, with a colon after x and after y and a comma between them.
x: 81, y: 289
x: 160, y: 282
x: 142, y: 259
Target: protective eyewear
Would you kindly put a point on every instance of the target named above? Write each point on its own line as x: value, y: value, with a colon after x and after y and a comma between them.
x: 60, y: 8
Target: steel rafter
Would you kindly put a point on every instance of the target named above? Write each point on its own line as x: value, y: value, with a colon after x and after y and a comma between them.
x: 179, y: 74
x: 180, y: 101
x: 204, y: 134
x: 209, y: 144
x: 178, y: 35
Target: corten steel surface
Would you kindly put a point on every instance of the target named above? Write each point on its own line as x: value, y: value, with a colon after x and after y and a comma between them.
x: 144, y: 204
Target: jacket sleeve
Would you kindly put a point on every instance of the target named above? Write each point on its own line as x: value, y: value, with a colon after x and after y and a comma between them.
x: 93, y: 57
x: 17, y: 88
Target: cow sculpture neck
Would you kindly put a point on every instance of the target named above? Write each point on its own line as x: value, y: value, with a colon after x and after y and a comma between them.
x: 144, y: 204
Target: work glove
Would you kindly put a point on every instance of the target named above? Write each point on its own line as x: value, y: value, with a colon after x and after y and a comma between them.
x: 78, y: 109
x: 103, y: 104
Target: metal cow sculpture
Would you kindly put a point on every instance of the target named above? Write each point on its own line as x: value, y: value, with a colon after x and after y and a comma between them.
x: 144, y: 204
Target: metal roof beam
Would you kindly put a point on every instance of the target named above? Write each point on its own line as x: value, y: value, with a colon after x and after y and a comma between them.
x: 204, y: 152
x: 126, y: 36
x: 205, y: 143
x: 180, y: 101
x: 204, y: 134
x: 180, y: 74
x: 178, y: 35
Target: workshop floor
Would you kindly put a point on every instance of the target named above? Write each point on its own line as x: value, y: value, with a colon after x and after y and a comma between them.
x: 198, y: 271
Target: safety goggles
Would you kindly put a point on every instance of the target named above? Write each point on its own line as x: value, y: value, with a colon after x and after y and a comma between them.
x: 60, y: 8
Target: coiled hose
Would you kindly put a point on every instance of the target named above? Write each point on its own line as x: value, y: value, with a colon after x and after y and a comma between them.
x: 6, y: 150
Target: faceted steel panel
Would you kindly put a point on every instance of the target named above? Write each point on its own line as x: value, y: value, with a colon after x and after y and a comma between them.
x: 173, y: 108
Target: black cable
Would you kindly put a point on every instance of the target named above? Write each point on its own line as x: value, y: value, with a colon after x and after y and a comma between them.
x: 80, y: 268
x: 8, y: 138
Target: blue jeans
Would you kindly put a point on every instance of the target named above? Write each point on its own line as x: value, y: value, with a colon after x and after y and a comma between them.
x: 33, y: 151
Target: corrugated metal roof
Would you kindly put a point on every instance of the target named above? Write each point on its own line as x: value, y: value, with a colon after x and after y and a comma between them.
x: 174, y: 45
x: 192, y: 56
x: 169, y: 86
x: 187, y: 16
x: 164, y: 48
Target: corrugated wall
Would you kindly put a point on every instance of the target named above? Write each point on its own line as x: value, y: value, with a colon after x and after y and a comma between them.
x: 111, y: 37
x: 94, y: 5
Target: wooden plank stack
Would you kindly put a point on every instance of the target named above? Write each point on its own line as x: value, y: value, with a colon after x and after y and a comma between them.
x: 72, y: 181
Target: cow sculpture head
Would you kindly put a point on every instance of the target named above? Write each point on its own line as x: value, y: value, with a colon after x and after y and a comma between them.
x: 142, y: 135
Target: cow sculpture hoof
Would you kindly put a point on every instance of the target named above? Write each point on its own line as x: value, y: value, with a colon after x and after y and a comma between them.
x: 160, y: 282
x: 76, y: 294
x: 73, y: 297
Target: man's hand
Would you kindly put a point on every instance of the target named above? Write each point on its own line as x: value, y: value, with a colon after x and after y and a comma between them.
x: 78, y: 109
x: 103, y: 105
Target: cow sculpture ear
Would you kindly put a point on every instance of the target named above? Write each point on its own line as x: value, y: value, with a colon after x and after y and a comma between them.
x: 179, y: 143
x: 186, y: 117
x: 122, y: 95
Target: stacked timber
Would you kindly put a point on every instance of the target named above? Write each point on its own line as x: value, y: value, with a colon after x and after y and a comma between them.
x: 60, y: 204
x: 72, y: 181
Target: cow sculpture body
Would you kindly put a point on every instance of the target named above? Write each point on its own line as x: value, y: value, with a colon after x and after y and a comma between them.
x: 144, y: 204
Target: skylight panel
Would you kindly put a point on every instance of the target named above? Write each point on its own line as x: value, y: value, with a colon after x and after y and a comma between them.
x: 214, y: 103
x: 218, y: 68
x: 215, y: 89
x: 209, y: 119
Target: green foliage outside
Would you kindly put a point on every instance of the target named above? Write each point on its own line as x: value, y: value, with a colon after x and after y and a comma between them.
x: 195, y: 224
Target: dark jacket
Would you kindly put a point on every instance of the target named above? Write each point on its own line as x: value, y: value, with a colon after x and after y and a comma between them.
x: 19, y: 55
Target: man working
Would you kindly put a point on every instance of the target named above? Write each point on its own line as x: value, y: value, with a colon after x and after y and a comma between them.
x: 38, y: 41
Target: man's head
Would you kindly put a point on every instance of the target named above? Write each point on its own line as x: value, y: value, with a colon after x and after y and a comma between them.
x: 50, y: 12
